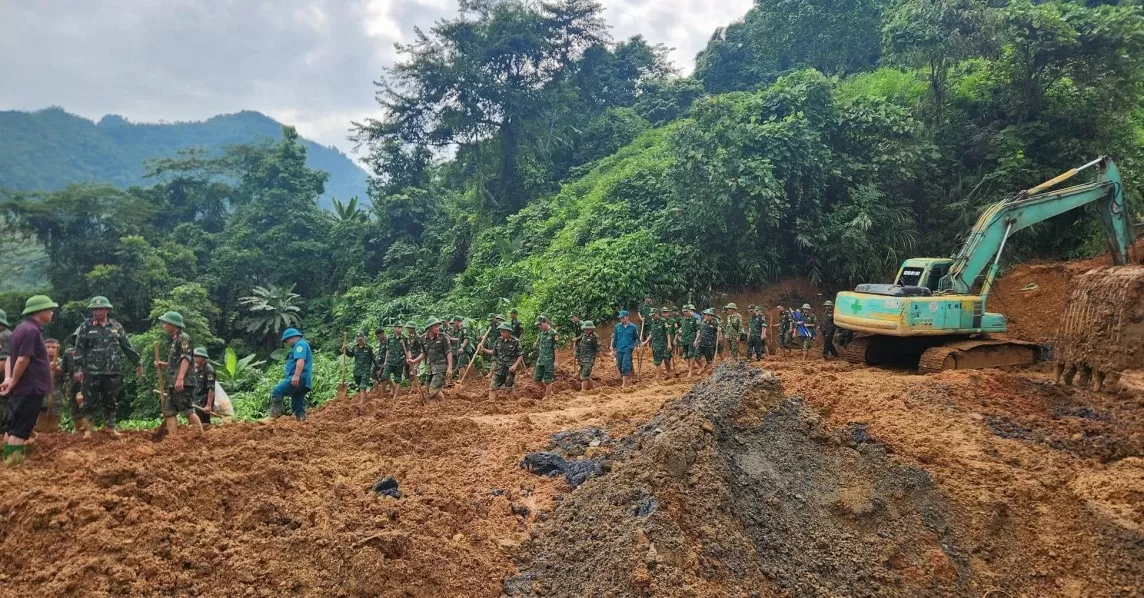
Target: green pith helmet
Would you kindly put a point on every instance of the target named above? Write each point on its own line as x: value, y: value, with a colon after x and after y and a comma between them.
x: 666, y: 310
x: 431, y: 323
x: 38, y: 303
x: 173, y: 318
x: 513, y: 312
x: 828, y: 303
x: 411, y: 325
x: 505, y: 326
x: 501, y: 318
x: 4, y: 318
x: 360, y: 334
x: 458, y: 319
x: 99, y: 302
x: 710, y: 311
x: 379, y: 330
x: 587, y: 325
x: 733, y: 306
x: 689, y: 306
x: 543, y: 318
x: 492, y: 316
x: 201, y: 352
x: 806, y: 306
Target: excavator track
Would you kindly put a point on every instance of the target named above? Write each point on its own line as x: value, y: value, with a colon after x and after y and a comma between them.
x: 855, y: 352
x: 934, y: 360
x: 977, y: 354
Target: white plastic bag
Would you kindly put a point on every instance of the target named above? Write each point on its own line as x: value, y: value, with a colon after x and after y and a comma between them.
x: 222, y: 404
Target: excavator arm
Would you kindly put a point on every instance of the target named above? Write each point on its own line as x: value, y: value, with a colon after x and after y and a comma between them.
x: 982, y: 250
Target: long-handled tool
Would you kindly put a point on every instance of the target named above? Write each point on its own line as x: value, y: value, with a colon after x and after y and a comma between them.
x: 480, y: 344
x: 639, y: 361
x: 342, y: 384
x: 161, y: 432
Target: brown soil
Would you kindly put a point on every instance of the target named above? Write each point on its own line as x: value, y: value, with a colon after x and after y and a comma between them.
x: 873, y: 482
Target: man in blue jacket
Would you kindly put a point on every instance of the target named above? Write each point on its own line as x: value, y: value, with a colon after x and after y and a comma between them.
x: 625, y: 339
x: 299, y: 378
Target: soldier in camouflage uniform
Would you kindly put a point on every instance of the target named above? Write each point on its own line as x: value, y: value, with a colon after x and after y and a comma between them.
x: 180, y: 375
x: 98, y: 343
x: 587, y: 348
x: 364, y: 364
x: 204, y: 394
x: 491, y: 335
x: 734, y: 330
x: 517, y: 327
x: 688, y: 330
x: 394, y: 369
x: 416, y: 354
x: 757, y: 334
x: 462, y: 345
x: 508, y: 357
x: 784, y: 329
x: 828, y: 329
x: 807, y: 331
x: 656, y: 333
x: 545, y: 371
x: 708, y: 339
x: 438, y: 357
x: 379, y: 357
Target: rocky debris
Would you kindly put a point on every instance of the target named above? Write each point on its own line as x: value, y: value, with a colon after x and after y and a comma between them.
x: 575, y: 443
x: 575, y: 471
x: 387, y: 486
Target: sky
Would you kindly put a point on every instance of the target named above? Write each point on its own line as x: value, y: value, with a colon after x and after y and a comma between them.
x: 310, y: 63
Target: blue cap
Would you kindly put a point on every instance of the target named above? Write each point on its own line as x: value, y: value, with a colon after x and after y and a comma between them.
x: 623, y: 313
x: 290, y: 333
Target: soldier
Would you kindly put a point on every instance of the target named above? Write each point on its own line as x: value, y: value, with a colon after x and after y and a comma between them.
x: 545, y: 371
x: 671, y: 321
x: 299, y: 377
x: 587, y: 348
x: 394, y: 369
x: 806, y: 324
x: 180, y: 376
x: 364, y: 364
x: 204, y: 395
x: 828, y: 329
x: 656, y: 333
x: 625, y: 339
x: 754, y: 334
x: 508, y: 356
x: 50, y: 411
x: 708, y: 339
x: 462, y: 345
x: 379, y: 360
x: 784, y: 329
x: 491, y: 335
x: 415, y: 354
x: 517, y: 327
x: 98, y: 343
x: 645, y: 309
x: 688, y: 331
x: 734, y: 330
x: 438, y: 356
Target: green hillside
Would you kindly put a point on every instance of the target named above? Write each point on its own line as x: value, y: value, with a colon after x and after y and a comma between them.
x: 50, y: 149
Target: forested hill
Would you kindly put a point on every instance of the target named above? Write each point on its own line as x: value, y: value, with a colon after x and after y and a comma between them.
x: 50, y: 149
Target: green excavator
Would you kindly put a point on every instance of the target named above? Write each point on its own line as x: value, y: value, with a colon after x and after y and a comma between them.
x: 933, y: 315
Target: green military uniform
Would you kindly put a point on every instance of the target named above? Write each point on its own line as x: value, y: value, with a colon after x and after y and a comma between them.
x: 545, y: 371
x: 828, y: 330
x: 415, y: 347
x: 809, y: 321
x: 97, y: 357
x: 437, y: 351
x: 708, y: 335
x: 756, y: 348
x: 364, y: 363
x: 491, y: 336
x: 178, y: 401
x: 587, y: 349
x: 61, y: 386
x: 505, y: 354
x: 784, y: 328
x: 379, y: 360
x: 733, y: 330
x: 517, y: 327
x: 204, y: 384
x: 645, y: 310
x: 687, y: 332
x: 461, y: 355
x: 658, y: 332
x: 394, y: 370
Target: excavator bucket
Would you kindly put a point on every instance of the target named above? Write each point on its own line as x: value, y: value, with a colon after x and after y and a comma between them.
x: 1101, y: 336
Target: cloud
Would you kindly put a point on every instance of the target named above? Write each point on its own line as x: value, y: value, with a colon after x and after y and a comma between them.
x: 311, y: 63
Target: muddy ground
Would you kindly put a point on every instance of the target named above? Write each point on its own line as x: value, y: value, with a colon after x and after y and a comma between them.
x: 816, y: 479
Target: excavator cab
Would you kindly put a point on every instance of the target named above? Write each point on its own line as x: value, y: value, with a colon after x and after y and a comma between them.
x: 923, y: 272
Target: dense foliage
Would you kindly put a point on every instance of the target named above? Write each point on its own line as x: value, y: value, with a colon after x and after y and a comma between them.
x: 50, y: 149
x: 525, y: 160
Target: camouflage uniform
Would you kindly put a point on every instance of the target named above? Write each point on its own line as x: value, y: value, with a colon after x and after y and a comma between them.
x: 364, y: 362
x: 732, y: 333
x: 687, y: 332
x: 586, y: 351
x: 394, y: 370
x: 756, y: 348
x: 204, y: 384
x: 784, y: 329
x: 506, y: 352
x: 809, y: 320
x: 461, y: 356
x: 178, y: 402
x: 61, y: 387
x: 97, y: 357
x: 437, y: 352
x: 828, y: 330
x: 657, y: 331
x: 517, y: 327
x: 415, y: 347
x: 708, y: 338
x: 545, y: 371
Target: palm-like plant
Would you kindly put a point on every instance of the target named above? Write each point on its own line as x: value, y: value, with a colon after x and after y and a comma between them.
x: 271, y: 309
x: 349, y: 211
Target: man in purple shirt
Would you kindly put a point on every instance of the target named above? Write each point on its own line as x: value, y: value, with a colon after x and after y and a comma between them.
x: 31, y: 376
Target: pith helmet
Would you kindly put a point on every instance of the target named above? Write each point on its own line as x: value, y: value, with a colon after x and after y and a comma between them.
x: 733, y: 306
x: 175, y: 318
x: 710, y: 311
x: 587, y: 325
x: 37, y: 303
x: 500, y: 317
x: 806, y: 306
x: 431, y: 323
x: 411, y: 325
x: 99, y: 302
x: 201, y: 352
x: 458, y: 319
x: 505, y: 326
x: 4, y: 318
x: 828, y: 303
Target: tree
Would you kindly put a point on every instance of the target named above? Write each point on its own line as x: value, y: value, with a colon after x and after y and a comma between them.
x: 271, y: 310
x: 349, y: 211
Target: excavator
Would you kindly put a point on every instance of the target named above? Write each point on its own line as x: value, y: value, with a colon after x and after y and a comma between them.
x: 933, y: 316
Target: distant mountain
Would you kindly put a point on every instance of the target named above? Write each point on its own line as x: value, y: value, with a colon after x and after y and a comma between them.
x: 50, y: 149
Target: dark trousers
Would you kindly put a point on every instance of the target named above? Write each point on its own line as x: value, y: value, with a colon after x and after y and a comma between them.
x: 100, y: 392
x: 755, y: 348
x: 828, y: 348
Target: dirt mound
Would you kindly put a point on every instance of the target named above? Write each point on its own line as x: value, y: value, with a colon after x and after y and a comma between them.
x: 1102, y: 330
x: 734, y: 488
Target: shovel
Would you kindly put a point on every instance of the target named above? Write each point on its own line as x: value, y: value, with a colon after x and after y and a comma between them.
x: 342, y: 384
